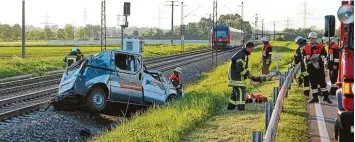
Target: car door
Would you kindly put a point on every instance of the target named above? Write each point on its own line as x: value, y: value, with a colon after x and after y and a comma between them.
x: 154, y: 88
x: 126, y: 82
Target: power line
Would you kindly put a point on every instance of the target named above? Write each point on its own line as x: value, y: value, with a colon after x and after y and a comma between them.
x: 172, y: 20
x: 85, y: 17
x: 46, y: 23
x: 288, y: 22
x: 159, y: 17
x: 305, y: 13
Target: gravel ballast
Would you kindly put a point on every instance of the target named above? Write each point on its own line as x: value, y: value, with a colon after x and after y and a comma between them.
x: 69, y: 125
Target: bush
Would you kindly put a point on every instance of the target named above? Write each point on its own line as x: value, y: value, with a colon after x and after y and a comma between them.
x: 280, y: 38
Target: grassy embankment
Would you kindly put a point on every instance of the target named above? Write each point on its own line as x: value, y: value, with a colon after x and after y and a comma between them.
x: 43, y: 59
x: 189, y: 118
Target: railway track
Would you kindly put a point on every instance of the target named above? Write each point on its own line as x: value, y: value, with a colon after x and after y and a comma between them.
x: 21, y: 104
x: 14, y: 106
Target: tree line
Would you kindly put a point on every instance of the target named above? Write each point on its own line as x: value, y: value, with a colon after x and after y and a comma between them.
x: 193, y: 31
x: 199, y: 30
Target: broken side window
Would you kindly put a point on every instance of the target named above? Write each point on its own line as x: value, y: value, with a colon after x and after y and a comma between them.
x: 126, y: 62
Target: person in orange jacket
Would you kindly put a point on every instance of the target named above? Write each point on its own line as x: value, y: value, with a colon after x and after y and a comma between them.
x: 314, y: 57
x: 266, y: 57
x: 175, y: 80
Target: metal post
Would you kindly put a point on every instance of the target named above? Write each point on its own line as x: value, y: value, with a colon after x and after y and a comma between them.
x: 23, y: 30
x: 262, y: 28
x: 122, y: 36
x: 269, y: 107
x: 213, y: 33
x: 274, y: 30
x: 182, y: 26
x: 216, y: 31
x: 257, y: 136
x: 275, y: 93
x: 242, y: 24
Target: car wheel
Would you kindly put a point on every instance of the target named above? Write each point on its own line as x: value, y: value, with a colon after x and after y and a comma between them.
x: 345, y: 135
x: 96, y: 100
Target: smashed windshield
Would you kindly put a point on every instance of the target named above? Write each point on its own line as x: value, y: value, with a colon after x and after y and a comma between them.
x: 76, y: 65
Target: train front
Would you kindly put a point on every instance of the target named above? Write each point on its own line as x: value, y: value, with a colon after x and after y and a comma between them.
x: 221, y: 36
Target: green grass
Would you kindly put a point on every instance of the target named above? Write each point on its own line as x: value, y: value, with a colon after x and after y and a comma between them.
x: 43, y: 59
x: 199, y: 115
x: 238, y: 126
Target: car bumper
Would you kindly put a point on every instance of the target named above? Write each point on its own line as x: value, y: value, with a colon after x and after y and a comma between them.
x: 68, y: 96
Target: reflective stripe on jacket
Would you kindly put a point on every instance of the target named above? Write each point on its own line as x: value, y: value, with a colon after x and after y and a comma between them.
x: 238, y: 68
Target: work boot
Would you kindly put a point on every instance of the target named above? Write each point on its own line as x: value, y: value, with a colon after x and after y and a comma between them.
x: 306, y: 93
x: 333, y: 91
x: 231, y: 106
x: 314, y: 100
x: 240, y: 107
x: 326, y: 99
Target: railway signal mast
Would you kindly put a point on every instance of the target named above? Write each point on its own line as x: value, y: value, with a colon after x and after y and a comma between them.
x: 103, y: 24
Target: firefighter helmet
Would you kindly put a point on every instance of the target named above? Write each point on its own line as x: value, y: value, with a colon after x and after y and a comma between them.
x: 333, y: 39
x: 313, y: 35
x: 298, y: 38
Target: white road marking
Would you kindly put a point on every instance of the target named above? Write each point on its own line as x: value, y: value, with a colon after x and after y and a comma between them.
x: 322, y: 128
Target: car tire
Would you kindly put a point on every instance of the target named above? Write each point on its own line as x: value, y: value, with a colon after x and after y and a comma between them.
x: 96, y: 100
x: 345, y: 136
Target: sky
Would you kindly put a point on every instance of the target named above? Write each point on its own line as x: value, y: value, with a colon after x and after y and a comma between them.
x: 145, y: 13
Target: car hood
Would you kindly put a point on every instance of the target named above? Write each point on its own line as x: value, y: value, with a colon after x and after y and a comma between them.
x: 68, y: 80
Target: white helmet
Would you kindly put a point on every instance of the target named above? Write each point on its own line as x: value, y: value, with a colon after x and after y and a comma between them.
x: 333, y: 39
x: 313, y: 35
x: 263, y: 39
x: 298, y: 38
x: 178, y: 69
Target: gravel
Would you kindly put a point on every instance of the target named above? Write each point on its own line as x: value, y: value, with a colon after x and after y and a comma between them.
x: 192, y: 72
x: 69, y: 125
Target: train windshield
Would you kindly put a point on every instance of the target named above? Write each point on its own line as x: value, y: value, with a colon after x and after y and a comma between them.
x: 221, y: 34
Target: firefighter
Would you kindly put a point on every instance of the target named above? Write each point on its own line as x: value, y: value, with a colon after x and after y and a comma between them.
x: 238, y: 71
x: 175, y: 80
x: 74, y: 56
x: 333, y: 63
x: 314, y: 56
x: 298, y: 58
x: 266, y: 57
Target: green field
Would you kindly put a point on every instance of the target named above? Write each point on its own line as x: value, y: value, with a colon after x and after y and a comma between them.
x: 184, y: 120
x: 43, y: 59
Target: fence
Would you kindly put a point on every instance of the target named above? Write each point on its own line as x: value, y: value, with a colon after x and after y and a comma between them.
x: 273, y: 109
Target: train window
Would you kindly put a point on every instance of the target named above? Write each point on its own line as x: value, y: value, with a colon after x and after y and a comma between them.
x: 221, y: 33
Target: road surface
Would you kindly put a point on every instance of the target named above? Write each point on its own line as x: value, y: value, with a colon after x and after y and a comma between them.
x: 321, y: 120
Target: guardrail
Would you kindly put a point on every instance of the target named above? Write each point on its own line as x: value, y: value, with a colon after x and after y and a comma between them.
x: 273, y: 109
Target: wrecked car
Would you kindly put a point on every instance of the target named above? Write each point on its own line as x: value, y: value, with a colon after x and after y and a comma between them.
x: 113, y: 76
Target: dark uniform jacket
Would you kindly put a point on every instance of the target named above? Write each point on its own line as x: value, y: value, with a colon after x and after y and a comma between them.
x: 333, y: 58
x: 74, y: 56
x: 298, y: 57
x: 238, y: 69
